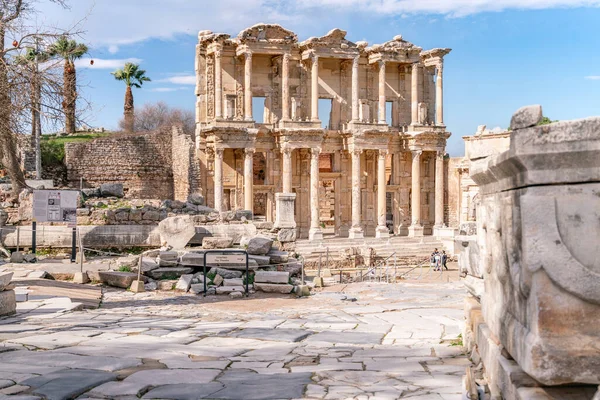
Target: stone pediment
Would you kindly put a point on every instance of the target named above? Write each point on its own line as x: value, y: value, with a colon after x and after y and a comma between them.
x: 396, y: 45
x: 334, y: 38
x: 207, y: 37
x: 272, y: 33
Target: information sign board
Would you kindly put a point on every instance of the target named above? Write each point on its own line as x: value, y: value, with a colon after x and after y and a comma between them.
x: 55, y: 206
x: 213, y: 258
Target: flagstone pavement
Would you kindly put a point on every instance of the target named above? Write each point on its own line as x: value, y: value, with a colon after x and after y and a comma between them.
x: 358, y: 341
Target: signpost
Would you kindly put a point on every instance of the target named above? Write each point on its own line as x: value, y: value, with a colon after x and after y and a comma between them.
x: 222, y: 258
x: 56, y: 206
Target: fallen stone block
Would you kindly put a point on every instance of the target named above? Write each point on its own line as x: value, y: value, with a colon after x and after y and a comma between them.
x: 252, y: 266
x: 259, y: 245
x: 294, y: 268
x: 233, y: 282
x: 192, y: 259
x: 278, y: 256
x: 8, y: 303
x: 526, y: 117
x: 118, y: 279
x: 271, y: 277
x: 184, y: 282
x: 5, y: 278
x: 217, y: 280
x: 166, y: 285
x: 16, y: 257
x: 273, y: 288
x: 111, y: 190
x: 260, y: 260
x: 169, y: 273
x: 286, y: 235
x: 177, y: 231
x: 230, y: 289
x: 236, y: 295
x: 216, y: 242
x: 196, y: 199
x: 225, y: 273
x: 151, y: 286
x: 302, y: 290
x: 37, y: 274
x: 149, y: 265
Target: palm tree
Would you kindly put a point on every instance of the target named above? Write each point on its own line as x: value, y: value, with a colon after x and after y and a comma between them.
x: 30, y: 62
x: 133, y: 76
x: 70, y: 51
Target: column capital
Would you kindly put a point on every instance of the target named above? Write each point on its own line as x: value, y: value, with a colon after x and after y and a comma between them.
x: 286, y: 57
x: 416, y: 153
x: 248, y: 55
x: 415, y: 66
x: 287, y: 151
x: 440, y: 153
x: 439, y: 67
x: 249, y: 151
x: 383, y: 153
x: 356, y: 152
x: 219, y: 152
x: 315, y: 152
x: 381, y: 64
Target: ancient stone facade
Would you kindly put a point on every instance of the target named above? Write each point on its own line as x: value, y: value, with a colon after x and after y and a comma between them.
x: 534, y: 324
x: 379, y: 161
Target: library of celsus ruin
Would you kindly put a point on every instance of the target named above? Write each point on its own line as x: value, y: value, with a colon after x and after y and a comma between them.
x: 339, y: 134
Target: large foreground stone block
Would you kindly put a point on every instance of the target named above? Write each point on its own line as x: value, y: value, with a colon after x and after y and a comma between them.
x: 538, y: 228
x: 273, y: 288
x: 271, y: 277
x: 8, y: 303
x: 259, y: 245
x: 177, y: 231
x: 5, y: 278
x: 118, y: 279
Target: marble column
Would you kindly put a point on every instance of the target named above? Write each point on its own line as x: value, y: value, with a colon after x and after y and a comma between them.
x: 314, y: 79
x: 315, y: 232
x: 439, y: 189
x: 219, y: 179
x: 415, y: 95
x: 218, y: 86
x: 285, y: 88
x: 439, y: 96
x: 382, y: 92
x: 355, y: 94
x: 382, y: 229
x: 248, y: 87
x: 248, y: 179
x: 356, y: 232
x: 287, y: 170
x: 416, y: 229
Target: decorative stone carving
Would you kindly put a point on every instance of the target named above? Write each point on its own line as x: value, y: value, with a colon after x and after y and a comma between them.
x: 272, y: 33
x: 423, y: 113
x: 210, y: 87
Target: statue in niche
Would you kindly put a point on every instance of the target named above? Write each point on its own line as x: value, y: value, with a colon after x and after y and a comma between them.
x: 422, y: 113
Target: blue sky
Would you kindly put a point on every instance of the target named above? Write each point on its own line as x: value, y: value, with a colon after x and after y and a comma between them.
x: 506, y: 53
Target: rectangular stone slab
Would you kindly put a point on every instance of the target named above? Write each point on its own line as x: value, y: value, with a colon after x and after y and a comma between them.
x: 8, y: 302
x: 271, y: 277
x: 118, y: 279
x: 273, y: 288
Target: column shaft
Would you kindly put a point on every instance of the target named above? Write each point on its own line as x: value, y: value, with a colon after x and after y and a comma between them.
x: 314, y: 76
x: 382, y: 230
x: 248, y: 179
x: 218, y: 86
x: 315, y: 232
x: 248, y: 87
x: 285, y: 89
x: 439, y: 189
x: 356, y: 232
x: 382, y: 92
x: 439, y: 96
x: 415, y: 94
x: 355, y: 112
x: 218, y: 179
x: 416, y: 188
x: 287, y: 170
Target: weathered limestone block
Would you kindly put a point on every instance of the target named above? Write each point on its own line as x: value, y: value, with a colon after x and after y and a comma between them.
x: 218, y: 280
x: 259, y: 245
x: 260, y: 260
x: 286, y: 235
x: 192, y: 259
x: 184, y: 282
x: 118, y: 279
x: 169, y: 273
x: 233, y: 282
x: 196, y: 199
x: 5, y: 278
x: 225, y: 273
x: 230, y: 289
x: 273, y: 288
x: 8, y: 303
x: 526, y: 117
x: 216, y: 242
x: 285, y: 210
x: 278, y: 256
x: 177, y: 231
x: 539, y: 218
x: 168, y: 258
x: 271, y: 277
x: 468, y: 260
x: 111, y: 190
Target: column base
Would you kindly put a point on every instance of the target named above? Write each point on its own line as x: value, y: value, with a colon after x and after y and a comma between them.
x: 382, y: 232
x: 356, y: 233
x: 415, y: 231
x: 315, y: 234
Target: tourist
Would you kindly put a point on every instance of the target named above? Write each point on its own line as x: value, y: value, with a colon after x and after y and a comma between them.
x: 434, y: 260
x: 444, y: 259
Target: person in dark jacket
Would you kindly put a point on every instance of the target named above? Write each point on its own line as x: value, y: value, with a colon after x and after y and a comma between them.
x: 444, y: 259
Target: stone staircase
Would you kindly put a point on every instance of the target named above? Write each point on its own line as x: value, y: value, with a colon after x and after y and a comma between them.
x: 404, y: 247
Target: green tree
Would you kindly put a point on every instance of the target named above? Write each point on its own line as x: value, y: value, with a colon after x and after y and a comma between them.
x: 69, y: 50
x: 133, y: 76
x: 546, y: 121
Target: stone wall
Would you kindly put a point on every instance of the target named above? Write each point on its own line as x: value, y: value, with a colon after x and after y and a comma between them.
x: 537, y: 238
x: 186, y: 169
x: 142, y: 162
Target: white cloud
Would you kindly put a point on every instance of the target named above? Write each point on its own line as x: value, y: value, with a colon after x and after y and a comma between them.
x: 112, y: 23
x: 180, y: 80
x: 100, y: 63
x: 113, y: 49
x: 497, y: 130
x: 593, y: 77
x: 164, y: 89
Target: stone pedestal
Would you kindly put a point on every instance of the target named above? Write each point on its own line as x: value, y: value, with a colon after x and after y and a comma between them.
x: 415, y: 230
x: 284, y: 210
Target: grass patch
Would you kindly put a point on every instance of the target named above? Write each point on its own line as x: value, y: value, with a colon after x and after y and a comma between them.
x: 458, y: 341
x: 249, y: 279
x: 125, y: 268
x: 211, y: 276
x: 170, y: 276
x: 53, y: 147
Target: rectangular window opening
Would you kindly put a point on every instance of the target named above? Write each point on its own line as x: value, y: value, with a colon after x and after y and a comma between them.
x: 258, y: 109
x: 325, y: 107
x: 388, y: 112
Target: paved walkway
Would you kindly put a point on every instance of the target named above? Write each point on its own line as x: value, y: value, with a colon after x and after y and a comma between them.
x: 361, y: 341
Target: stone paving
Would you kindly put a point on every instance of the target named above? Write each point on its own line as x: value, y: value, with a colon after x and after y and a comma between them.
x: 359, y: 341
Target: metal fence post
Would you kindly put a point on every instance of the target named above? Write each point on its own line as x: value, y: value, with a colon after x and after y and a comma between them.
x: 74, y: 245
x: 33, y: 237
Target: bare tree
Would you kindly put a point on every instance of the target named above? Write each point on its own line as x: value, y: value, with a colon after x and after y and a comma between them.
x: 158, y: 115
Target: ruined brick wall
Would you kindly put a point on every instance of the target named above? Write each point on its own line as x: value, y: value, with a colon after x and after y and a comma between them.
x: 452, y: 203
x: 186, y: 168
x: 142, y: 162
